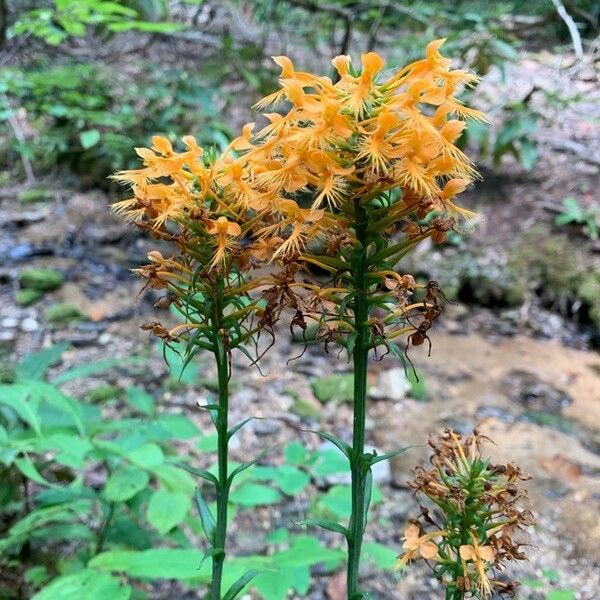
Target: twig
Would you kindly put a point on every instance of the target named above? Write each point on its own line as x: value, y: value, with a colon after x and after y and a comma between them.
x: 572, y: 26
x: 16, y: 127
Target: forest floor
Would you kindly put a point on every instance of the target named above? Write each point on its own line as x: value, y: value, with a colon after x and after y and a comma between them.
x: 525, y: 377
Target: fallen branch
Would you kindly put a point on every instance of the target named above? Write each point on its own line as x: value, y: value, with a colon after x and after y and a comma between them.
x: 572, y: 26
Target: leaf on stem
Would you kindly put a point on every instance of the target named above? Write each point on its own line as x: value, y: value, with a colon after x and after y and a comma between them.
x: 343, y: 446
x: 327, y: 524
x: 241, y: 583
x: 248, y: 464
x: 206, y: 517
x: 373, y: 459
x: 207, y: 475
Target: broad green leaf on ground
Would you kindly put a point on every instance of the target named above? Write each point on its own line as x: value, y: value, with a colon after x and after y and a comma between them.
x: 17, y: 396
x: 175, y: 479
x: 167, y: 509
x: 125, y: 483
x: 383, y: 556
x: 140, y: 400
x: 85, y: 585
x: 147, y: 456
x: 34, y: 365
x: 158, y: 563
x: 255, y: 494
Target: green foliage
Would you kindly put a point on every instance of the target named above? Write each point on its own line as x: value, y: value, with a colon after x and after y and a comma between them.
x: 87, y: 116
x: 72, y: 18
x: 549, y: 578
x: 138, y: 504
x: 42, y: 280
x: 334, y: 388
x: 573, y: 212
x: 63, y: 312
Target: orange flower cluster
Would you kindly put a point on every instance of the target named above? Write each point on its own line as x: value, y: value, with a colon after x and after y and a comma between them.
x: 480, y: 514
x: 288, y: 192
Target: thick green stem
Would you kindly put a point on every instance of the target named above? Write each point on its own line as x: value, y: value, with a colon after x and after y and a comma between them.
x: 359, y: 468
x: 222, y: 360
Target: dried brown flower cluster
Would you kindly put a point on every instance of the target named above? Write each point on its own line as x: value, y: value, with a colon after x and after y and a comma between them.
x: 481, y: 514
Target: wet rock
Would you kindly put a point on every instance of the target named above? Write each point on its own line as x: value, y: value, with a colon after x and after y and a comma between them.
x: 265, y: 427
x: 22, y: 251
x: 528, y: 390
x: 392, y: 384
x: 494, y: 412
x: 9, y: 323
x: 78, y: 338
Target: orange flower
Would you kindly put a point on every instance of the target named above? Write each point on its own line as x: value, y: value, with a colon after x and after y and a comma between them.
x: 223, y: 229
x: 416, y: 545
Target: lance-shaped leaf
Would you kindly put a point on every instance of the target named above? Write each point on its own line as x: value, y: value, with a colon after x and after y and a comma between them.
x: 343, y: 446
x: 373, y: 459
x: 327, y: 524
x: 248, y: 464
x: 207, y: 475
x: 237, y: 427
x: 241, y: 583
x: 206, y: 517
x: 212, y: 553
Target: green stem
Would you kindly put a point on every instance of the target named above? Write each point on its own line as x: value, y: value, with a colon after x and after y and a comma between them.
x: 222, y: 359
x: 358, y: 467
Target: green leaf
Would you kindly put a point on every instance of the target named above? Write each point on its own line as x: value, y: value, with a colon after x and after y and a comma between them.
x: 35, y: 365
x: 26, y: 466
x: 175, y: 479
x: 206, y: 517
x: 375, y: 459
x: 89, y: 138
x: 87, y: 584
x: 327, y: 524
x: 167, y: 510
x: 336, y: 441
x: 277, y: 585
x: 17, y: 397
x: 91, y: 369
x: 255, y: 494
x: 158, y: 563
x: 240, y: 584
x: 53, y: 396
x: 295, y: 453
x: 237, y: 427
x: 291, y: 480
x: 383, y: 556
x: 147, y: 456
x: 248, y: 464
x: 140, y: 400
x: 561, y: 595
x: 125, y: 484
x: 528, y: 154
x: 206, y: 475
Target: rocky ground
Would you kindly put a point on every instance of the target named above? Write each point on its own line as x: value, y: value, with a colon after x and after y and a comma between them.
x: 526, y: 374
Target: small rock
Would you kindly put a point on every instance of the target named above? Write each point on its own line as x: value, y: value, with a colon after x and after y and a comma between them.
x: 104, y: 338
x: 77, y: 338
x: 7, y: 336
x: 527, y: 389
x: 9, y: 323
x: 265, y: 426
x: 392, y: 384
x: 494, y: 412
x: 29, y: 325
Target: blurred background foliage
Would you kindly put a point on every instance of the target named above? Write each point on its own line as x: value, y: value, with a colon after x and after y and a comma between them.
x: 77, y: 75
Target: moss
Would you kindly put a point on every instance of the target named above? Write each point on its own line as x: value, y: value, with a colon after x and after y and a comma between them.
x: 63, y: 313
x: 103, y: 393
x: 546, y: 263
x: 35, y: 195
x: 27, y: 296
x: 44, y: 280
x: 589, y: 292
x: 334, y: 388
